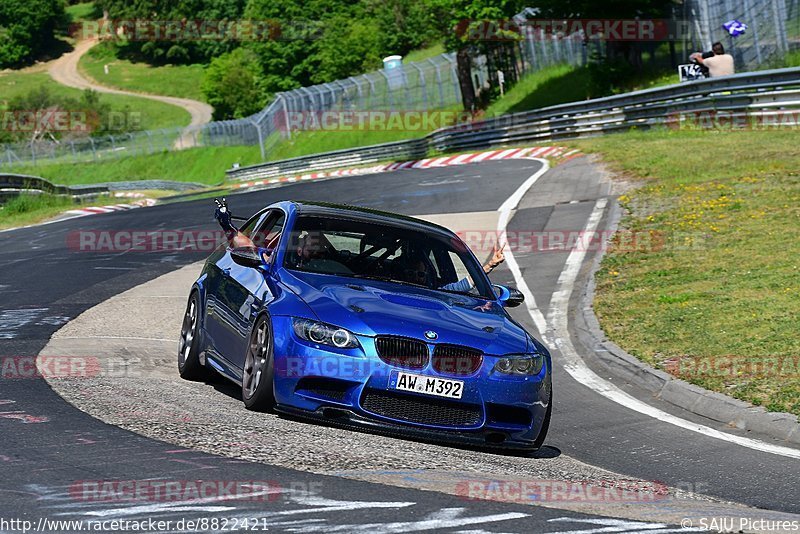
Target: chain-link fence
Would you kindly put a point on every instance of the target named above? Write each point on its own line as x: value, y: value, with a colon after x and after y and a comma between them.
x: 770, y: 26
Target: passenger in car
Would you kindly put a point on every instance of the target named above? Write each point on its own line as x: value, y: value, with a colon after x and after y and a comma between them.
x: 225, y: 219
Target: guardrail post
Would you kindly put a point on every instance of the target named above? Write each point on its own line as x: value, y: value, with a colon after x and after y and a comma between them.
x: 423, y: 86
x: 388, y: 90
x: 748, y: 10
x: 285, y: 120
x: 359, y: 92
x: 438, y: 81
x: 454, y: 77
x: 780, y: 34
x: 371, y: 88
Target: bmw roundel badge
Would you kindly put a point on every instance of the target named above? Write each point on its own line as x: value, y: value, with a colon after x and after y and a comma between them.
x: 430, y: 334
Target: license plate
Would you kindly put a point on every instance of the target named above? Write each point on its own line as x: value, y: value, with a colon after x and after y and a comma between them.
x: 428, y: 385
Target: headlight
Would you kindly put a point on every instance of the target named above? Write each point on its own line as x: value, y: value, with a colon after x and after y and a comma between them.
x: 520, y: 364
x: 324, y: 334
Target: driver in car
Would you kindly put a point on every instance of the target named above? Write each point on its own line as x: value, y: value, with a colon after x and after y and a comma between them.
x: 422, y: 271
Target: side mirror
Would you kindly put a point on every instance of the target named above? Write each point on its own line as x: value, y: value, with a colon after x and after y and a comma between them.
x: 508, y: 296
x: 247, y: 256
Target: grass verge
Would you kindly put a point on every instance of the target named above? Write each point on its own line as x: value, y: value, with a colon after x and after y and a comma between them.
x: 716, y: 301
x: 559, y: 84
x: 31, y: 208
x: 183, y: 81
x: 201, y: 165
x: 313, y: 142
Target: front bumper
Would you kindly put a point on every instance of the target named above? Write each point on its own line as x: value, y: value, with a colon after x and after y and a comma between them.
x: 351, y: 387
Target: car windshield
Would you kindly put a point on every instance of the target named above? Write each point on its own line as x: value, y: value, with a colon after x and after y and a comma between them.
x: 360, y: 249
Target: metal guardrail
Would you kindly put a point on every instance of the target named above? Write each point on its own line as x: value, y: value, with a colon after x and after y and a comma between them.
x: 752, y: 94
x: 12, y: 185
x: 412, y: 149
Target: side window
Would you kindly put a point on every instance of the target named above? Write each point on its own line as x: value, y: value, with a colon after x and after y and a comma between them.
x: 346, y: 242
x: 457, y: 266
x: 247, y: 228
x: 435, y: 263
x: 269, y: 231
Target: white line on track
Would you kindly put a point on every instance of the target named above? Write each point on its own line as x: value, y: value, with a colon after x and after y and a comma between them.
x: 558, y: 324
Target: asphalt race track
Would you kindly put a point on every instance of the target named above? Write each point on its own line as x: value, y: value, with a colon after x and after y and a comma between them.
x: 48, y: 446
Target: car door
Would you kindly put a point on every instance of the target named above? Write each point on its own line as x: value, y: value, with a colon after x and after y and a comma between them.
x: 217, y: 320
x: 243, y: 291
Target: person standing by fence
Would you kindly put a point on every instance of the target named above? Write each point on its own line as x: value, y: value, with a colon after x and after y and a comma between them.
x: 720, y: 64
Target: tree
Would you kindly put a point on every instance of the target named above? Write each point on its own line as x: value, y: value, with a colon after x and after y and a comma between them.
x: 185, y: 48
x: 28, y: 28
x: 349, y: 46
x: 233, y: 85
x: 469, y: 17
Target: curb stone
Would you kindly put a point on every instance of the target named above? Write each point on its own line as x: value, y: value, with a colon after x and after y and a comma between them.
x: 712, y: 405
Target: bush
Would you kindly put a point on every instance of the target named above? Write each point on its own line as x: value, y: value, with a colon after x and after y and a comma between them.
x: 88, y: 115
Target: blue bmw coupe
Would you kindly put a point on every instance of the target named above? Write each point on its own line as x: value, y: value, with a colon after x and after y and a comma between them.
x: 369, y: 319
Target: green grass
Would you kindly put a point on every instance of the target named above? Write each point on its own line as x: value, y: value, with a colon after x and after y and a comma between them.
x: 201, y: 165
x: 560, y: 84
x: 547, y: 87
x: 424, y: 53
x: 83, y: 11
x: 30, y: 209
x: 793, y: 58
x: 183, y: 81
x: 313, y: 142
x: 154, y: 115
x: 720, y: 291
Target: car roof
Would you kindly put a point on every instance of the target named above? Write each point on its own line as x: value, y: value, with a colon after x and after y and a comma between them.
x: 367, y: 215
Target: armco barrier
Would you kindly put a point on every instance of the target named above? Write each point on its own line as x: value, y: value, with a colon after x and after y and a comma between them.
x: 413, y: 149
x: 752, y: 94
x: 13, y: 184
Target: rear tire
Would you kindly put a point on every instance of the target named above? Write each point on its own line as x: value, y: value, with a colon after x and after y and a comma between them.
x: 258, y: 373
x: 189, y: 366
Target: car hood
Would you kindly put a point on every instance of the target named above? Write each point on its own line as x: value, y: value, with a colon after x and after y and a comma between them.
x: 371, y: 307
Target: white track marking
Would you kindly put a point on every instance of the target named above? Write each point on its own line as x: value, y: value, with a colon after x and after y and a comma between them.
x: 618, y: 525
x: 558, y: 322
x: 505, y: 214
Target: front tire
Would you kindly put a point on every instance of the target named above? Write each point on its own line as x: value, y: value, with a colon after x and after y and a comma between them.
x: 189, y: 366
x: 258, y: 373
